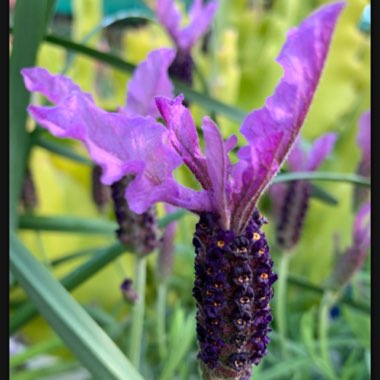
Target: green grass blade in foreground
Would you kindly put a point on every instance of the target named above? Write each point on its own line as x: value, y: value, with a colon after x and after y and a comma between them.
x: 204, y: 101
x: 82, y: 225
x: 67, y: 224
x: 28, y: 32
x: 353, y: 179
x: 88, y: 342
x: 99, y: 260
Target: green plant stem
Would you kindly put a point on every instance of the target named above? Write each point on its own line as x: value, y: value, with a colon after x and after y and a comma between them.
x: 327, y: 301
x: 281, y: 300
x: 160, y: 318
x: 137, y: 324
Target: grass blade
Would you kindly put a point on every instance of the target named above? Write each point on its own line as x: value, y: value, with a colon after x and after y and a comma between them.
x: 67, y: 224
x: 28, y: 32
x: 353, y: 179
x: 81, y: 334
x: 99, y: 260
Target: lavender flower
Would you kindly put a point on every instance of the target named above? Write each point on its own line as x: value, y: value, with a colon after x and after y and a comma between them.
x: 364, y: 168
x: 185, y: 38
x: 233, y: 269
x: 291, y: 201
x: 350, y: 261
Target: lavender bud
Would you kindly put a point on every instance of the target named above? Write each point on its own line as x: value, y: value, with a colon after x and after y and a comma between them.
x: 29, y: 196
x: 292, y: 214
x: 140, y: 231
x: 101, y: 194
x: 232, y: 288
x: 182, y: 67
x: 129, y: 293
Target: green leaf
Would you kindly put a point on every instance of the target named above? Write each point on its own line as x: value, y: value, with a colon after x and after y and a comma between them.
x: 67, y: 224
x: 81, y: 334
x: 323, y: 176
x: 319, y: 193
x: 307, y: 285
x: 283, y: 368
x: 46, y: 371
x: 181, y: 336
x: 99, y: 260
x: 28, y: 32
x: 172, y: 217
x: 35, y: 350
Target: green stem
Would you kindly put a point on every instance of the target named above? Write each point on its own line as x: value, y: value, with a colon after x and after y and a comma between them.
x: 327, y: 301
x: 137, y: 324
x: 281, y: 300
x: 160, y: 318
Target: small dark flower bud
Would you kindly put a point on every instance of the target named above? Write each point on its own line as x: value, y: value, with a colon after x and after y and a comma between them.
x: 129, y: 293
x: 29, y: 196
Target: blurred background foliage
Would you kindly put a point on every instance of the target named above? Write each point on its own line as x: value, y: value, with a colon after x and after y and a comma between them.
x: 236, y: 65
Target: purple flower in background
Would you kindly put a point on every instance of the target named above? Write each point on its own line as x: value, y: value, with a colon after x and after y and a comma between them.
x: 291, y: 200
x: 184, y: 38
x: 350, y: 261
x: 149, y: 79
x: 233, y: 268
x: 361, y: 194
x: 200, y: 16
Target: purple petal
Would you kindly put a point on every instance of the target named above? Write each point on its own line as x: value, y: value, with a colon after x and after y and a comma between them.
x: 169, y: 16
x: 321, y: 148
x: 302, y: 58
x: 364, y: 137
x: 118, y: 143
x: 54, y: 87
x: 143, y: 192
x: 261, y: 166
x: 362, y: 227
x: 150, y: 79
x: 200, y: 20
x: 217, y: 164
x: 183, y: 136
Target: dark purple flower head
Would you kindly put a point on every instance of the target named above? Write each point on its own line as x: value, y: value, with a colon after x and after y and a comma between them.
x: 200, y: 18
x: 291, y: 201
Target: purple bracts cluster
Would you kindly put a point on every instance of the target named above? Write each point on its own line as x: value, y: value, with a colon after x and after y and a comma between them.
x: 233, y: 287
x: 139, y: 231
